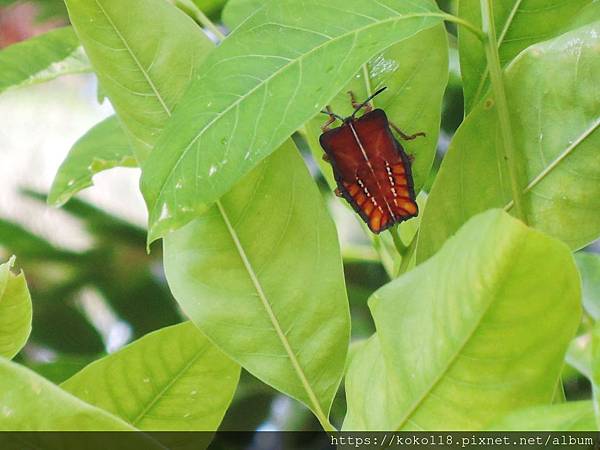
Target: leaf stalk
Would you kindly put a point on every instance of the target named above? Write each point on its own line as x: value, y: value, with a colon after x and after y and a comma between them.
x: 496, y: 78
x: 407, y: 256
x: 468, y: 25
x: 201, y: 18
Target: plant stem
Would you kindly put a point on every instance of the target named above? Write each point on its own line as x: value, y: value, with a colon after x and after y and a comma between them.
x: 407, y: 256
x: 365, y: 71
x: 406, y: 252
x: 496, y: 78
x: 202, y: 19
x: 400, y: 247
x: 468, y: 25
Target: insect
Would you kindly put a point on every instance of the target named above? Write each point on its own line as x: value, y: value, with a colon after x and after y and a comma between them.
x: 370, y: 166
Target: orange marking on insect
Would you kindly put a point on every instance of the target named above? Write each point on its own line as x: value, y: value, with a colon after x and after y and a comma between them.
x: 375, y: 221
x: 369, y: 207
x: 398, y: 169
x: 360, y: 199
x: 409, y: 207
x: 400, y: 180
x: 353, y: 189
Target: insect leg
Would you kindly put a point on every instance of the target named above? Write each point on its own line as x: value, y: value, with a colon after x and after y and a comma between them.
x: 367, y: 106
x: 407, y: 137
x: 332, y: 118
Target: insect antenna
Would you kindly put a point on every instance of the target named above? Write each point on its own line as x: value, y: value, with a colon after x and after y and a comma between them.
x: 371, y: 97
x: 329, y: 113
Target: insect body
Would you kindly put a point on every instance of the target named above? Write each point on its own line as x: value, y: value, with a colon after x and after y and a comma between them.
x: 370, y: 166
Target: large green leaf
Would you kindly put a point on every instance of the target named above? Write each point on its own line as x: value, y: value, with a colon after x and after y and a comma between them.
x: 15, y: 311
x: 519, y: 24
x: 275, y: 72
x: 589, y: 268
x: 571, y: 416
x: 462, y: 331
x: 373, y: 393
x: 555, y: 124
x: 42, y: 58
x: 28, y: 402
x: 145, y: 52
x: 260, y: 274
x: 171, y: 379
x: 103, y: 147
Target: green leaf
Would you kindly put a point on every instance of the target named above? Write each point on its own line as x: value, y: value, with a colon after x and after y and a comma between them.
x: 462, y: 331
x: 519, y: 24
x: 31, y: 403
x: 171, y: 379
x: 261, y: 84
x: 143, y: 65
x: 556, y: 127
x: 237, y: 11
x: 416, y: 81
x: 370, y: 392
x: 15, y: 311
x: 260, y: 274
x: 42, y: 58
x: 571, y: 416
x: 587, y: 15
x: 589, y: 268
x: 103, y: 147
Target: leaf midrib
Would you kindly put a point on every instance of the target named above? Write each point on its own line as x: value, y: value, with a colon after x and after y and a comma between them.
x: 166, y: 387
x: 556, y: 161
x: 135, y: 59
x: 271, y: 77
x: 509, y: 21
x: 508, y: 262
x: 272, y: 317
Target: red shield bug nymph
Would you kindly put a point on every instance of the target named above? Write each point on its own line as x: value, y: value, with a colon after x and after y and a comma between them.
x: 370, y: 166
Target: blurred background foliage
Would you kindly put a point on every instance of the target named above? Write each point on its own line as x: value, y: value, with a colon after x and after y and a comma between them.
x: 94, y: 299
